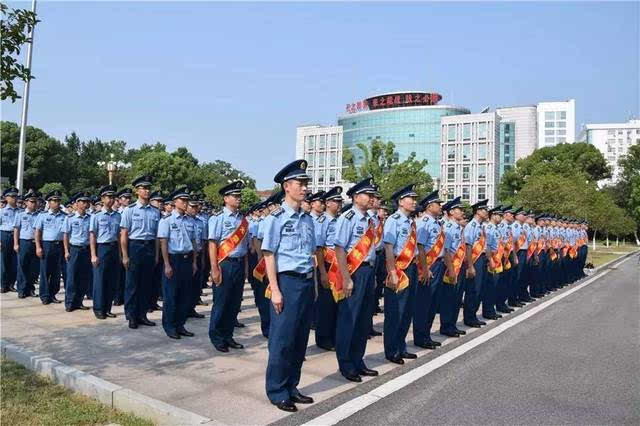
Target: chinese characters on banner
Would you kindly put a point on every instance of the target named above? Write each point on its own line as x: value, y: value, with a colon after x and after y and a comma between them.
x: 393, y: 101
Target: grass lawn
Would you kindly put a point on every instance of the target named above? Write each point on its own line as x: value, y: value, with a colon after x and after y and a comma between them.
x: 604, y: 254
x: 29, y: 399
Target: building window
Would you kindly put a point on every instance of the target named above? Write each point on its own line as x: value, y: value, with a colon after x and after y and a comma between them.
x: 451, y: 153
x: 334, y: 141
x: 466, y: 131
x: 562, y: 124
x: 311, y: 159
x: 465, y: 193
x: 549, y: 140
x: 611, y: 132
x: 482, y: 130
x: 561, y: 115
x: 466, y: 173
x: 549, y: 115
x: 333, y: 159
x: 482, y: 193
x: 321, y: 178
x: 549, y: 124
x: 466, y: 152
x: 451, y: 173
x: 450, y: 192
x: 549, y: 132
x: 322, y: 141
x: 507, y: 149
x: 311, y: 143
x: 482, y: 151
x: 561, y: 132
x: 332, y: 177
x: 451, y: 132
x: 482, y: 173
x: 321, y: 159
x: 562, y: 140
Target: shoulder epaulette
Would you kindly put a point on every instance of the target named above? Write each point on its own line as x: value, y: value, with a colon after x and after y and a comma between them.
x: 448, y: 224
x: 349, y: 214
x: 321, y: 219
x: 473, y: 224
x: 396, y: 215
x: 277, y: 212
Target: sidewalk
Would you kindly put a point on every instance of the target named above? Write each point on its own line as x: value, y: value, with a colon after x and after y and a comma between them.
x: 187, y: 373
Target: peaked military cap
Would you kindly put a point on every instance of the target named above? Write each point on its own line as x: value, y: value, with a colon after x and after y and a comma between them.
x: 365, y: 186
x: 145, y: 180
x: 346, y: 207
x: 518, y: 211
x: 124, y: 193
x: 531, y: 213
x: 318, y: 196
x: 407, y: 191
x: 453, y: 204
x: 333, y: 194
x: 156, y: 195
x: 496, y: 210
x: 94, y: 199
x: 384, y: 206
x: 81, y: 196
x: 234, y: 188
x: 480, y: 205
x: 107, y: 190
x: 295, y: 170
x: 377, y: 191
x: 182, y: 192
x: 168, y: 200
x: 433, y: 197
x: 507, y: 209
x: 31, y: 195
x: 10, y: 192
x: 419, y: 209
x: 253, y: 208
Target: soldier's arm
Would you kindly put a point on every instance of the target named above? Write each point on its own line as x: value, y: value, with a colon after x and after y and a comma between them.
x: 422, y: 258
x: 321, y: 266
x: 16, y: 238
x: 93, y: 248
x: 341, y: 257
x: 124, y: 246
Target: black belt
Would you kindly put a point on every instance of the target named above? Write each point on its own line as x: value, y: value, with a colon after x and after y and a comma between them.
x: 233, y: 259
x: 304, y: 276
x: 53, y: 242
x: 7, y: 231
x: 79, y: 247
x: 183, y: 255
x: 145, y: 242
x: 110, y: 243
x: 367, y: 263
x: 28, y: 241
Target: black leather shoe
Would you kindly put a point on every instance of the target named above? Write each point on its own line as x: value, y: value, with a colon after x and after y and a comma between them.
x: 504, y: 310
x: 473, y: 324
x: 54, y: 300
x: 83, y: 308
x: 195, y: 314
x: 375, y: 333
x: 482, y: 323
x: 408, y: 355
x: 460, y: 332
x: 368, y: 372
x: 450, y: 333
x: 46, y: 302
x: 100, y: 315
x: 222, y: 348
x: 352, y: 377
x: 33, y: 293
x: 426, y: 345
x: 239, y: 324
x: 13, y: 289
x: 396, y: 359
x: 301, y: 399
x: 529, y: 300
x: 133, y: 324
x: 327, y: 347
x: 234, y: 345
x: 173, y: 335
x: 435, y: 342
x: 22, y: 296
x: 110, y: 315
x: 286, y: 405
x: 4, y: 290
x: 146, y: 322
x: 492, y: 316
x: 117, y: 302
x: 69, y: 309
x: 184, y: 332
x: 201, y: 303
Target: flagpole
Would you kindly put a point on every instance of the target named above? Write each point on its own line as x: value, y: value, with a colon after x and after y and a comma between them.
x: 25, y: 110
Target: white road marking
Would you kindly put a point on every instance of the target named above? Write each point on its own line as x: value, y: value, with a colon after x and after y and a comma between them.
x: 351, y: 407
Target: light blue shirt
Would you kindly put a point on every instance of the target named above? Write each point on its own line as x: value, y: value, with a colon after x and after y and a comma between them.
x: 199, y: 228
x: 529, y: 233
x: 472, y: 232
x: 253, y: 227
x: 428, y: 232
x: 327, y: 233
x: 260, y: 233
x: 78, y: 229
x: 25, y: 224
x: 493, y: 237
x: 289, y: 235
x: 505, y: 229
x: 376, y: 220
x: 179, y: 230
x: 105, y: 226
x: 350, y: 227
x: 452, y: 236
x: 8, y: 217
x: 141, y: 221
x: 516, y: 230
x: 397, y: 229
x: 50, y: 224
x: 223, y: 225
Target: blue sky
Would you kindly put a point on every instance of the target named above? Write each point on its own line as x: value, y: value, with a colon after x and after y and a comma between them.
x: 232, y: 81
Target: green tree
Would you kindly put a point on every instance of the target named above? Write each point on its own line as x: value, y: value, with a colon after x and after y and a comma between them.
x: 15, y: 27
x: 380, y: 161
x: 249, y: 198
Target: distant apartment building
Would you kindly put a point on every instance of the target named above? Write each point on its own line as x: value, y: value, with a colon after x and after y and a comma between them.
x: 321, y: 146
x: 614, y: 141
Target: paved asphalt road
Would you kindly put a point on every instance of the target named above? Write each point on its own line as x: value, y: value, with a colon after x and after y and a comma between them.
x: 575, y: 362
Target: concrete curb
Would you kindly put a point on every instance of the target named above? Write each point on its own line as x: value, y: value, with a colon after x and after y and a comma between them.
x: 108, y: 393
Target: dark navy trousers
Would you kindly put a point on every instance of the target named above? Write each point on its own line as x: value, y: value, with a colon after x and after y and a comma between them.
x: 289, y: 336
x: 78, y: 274
x: 262, y: 303
x: 50, y: 269
x: 228, y: 297
x: 428, y: 301
x: 326, y: 313
x: 398, y: 313
x: 9, y: 260
x: 27, y: 266
x: 139, y: 275
x: 354, y: 313
x: 474, y: 289
x: 176, y: 292
x: 105, y: 276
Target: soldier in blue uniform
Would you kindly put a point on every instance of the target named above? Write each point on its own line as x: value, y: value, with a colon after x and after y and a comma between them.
x: 494, y: 266
x: 399, y: 303
x: 7, y: 220
x: 48, y: 237
x: 521, y: 232
x: 200, y: 246
x: 76, y: 253
x: 289, y: 246
x: 228, y: 274
x: 157, y: 201
x: 104, y: 230
x: 356, y: 309
x: 25, y: 246
x: 428, y: 294
x: 122, y: 201
x: 316, y: 209
x: 253, y: 256
x: 176, y: 235
x: 327, y: 309
x: 138, y: 230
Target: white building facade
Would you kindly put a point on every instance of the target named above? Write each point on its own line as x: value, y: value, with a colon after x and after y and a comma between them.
x: 321, y: 146
x: 556, y: 123
x: 470, y: 157
x: 613, y: 140
x: 524, y: 120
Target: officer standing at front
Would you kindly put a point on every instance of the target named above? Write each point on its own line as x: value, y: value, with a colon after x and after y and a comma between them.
x: 176, y: 234
x: 25, y: 246
x: 288, y: 247
x: 354, y: 243
x: 228, y: 246
x: 48, y: 237
x: 76, y: 252
x: 7, y: 220
x: 402, y: 275
x: 105, y: 253
x: 138, y: 230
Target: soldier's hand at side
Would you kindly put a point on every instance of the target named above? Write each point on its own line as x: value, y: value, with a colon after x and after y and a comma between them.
x: 168, y: 271
x: 324, y: 279
x: 276, y: 300
x: 194, y: 268
x: 94, y: 261
x: 125, y: 262
x: 348, y: 287
x: 471, y: 272
x: 216, y: 275
x: 515, y: 260
x: 39, y: 252
x: 392, y: 279
x: 67, y: 256
x: 16, y: 247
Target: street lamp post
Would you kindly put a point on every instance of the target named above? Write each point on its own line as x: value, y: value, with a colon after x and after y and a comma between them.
x: 112, y: 166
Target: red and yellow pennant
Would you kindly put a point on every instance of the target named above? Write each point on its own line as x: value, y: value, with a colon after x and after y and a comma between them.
x: 404, y: 259
x: 494, y: 265
x: 260, y: 270
x: 478, y: 248
x: 541, y: 245
x: 522, y: 239
x: 436, y: 249
x: 532, y: 249
x: 379, y: 231
x: 458, y: 259
x: 508, y: 248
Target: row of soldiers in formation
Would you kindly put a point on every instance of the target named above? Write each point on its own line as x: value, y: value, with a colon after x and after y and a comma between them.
x: 311, y: 263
